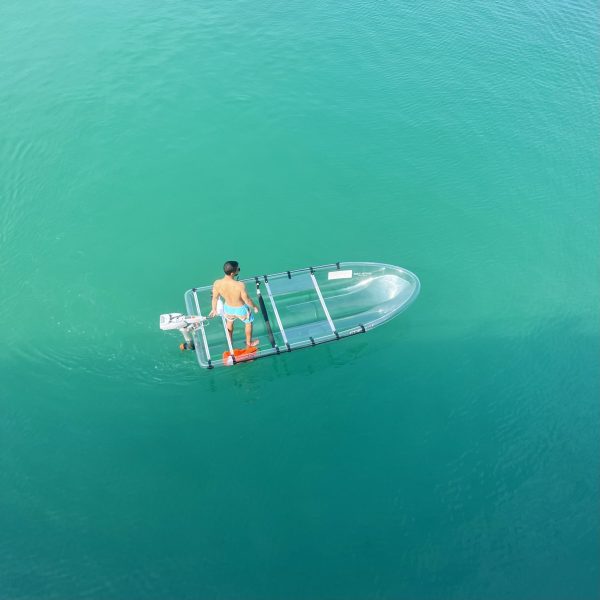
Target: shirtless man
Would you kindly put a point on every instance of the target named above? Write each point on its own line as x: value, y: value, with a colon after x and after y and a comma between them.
x: 236, y: 302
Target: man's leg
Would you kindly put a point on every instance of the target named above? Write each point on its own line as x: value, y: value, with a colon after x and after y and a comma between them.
x: 230, y: 331
x: 249, y: 340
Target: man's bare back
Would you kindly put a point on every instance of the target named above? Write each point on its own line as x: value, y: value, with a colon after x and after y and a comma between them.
x: 233, y: 292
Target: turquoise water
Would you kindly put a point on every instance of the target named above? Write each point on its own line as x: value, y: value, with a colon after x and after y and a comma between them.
x: 452, y: 453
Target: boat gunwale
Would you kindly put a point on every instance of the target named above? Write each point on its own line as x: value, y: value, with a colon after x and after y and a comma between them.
x: 308, y: 269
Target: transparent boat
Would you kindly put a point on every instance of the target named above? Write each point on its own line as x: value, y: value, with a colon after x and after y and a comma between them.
x: 302, y: 308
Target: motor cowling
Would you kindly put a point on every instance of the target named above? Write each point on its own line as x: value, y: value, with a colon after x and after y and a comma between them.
x: 170, y: 321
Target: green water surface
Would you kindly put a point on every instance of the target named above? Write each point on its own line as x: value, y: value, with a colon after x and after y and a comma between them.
x: 452, y: 453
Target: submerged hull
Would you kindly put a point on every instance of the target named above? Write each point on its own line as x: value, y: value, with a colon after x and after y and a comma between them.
x: 305, y: 307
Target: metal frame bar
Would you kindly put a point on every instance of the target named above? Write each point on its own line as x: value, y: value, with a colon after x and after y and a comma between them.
x: 290, y: 273
x: 265, y: 315
x: 322, y: 300
x: 312, y: 342
x: 285, y: 340
x: 204, y: 340
x: 229, y: 340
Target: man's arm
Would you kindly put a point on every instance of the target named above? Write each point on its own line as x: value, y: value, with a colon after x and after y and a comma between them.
x: 247, y: 298
x: 215, y: 298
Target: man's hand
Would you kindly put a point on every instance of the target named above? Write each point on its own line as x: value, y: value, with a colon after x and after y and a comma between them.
x: 212, y: 313
x: 256, y: 309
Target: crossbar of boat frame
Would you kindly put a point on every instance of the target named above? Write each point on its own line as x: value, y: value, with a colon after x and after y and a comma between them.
x: 265, y: 315
x: 322, y: 301
x: 277, y: 317
x: 204, y: 340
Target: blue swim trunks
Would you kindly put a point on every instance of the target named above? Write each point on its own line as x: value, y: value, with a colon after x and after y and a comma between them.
x: 233, y: 312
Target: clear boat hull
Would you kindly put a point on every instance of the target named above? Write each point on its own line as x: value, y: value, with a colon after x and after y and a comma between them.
x: 306, y: 307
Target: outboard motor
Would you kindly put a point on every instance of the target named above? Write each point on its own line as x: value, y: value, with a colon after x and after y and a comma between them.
x: 186, y: 324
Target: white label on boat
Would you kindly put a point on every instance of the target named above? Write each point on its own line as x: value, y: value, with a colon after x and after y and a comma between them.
x: 340, y: 274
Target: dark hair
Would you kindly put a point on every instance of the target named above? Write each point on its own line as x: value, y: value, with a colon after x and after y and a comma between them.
x: 231, y: 266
